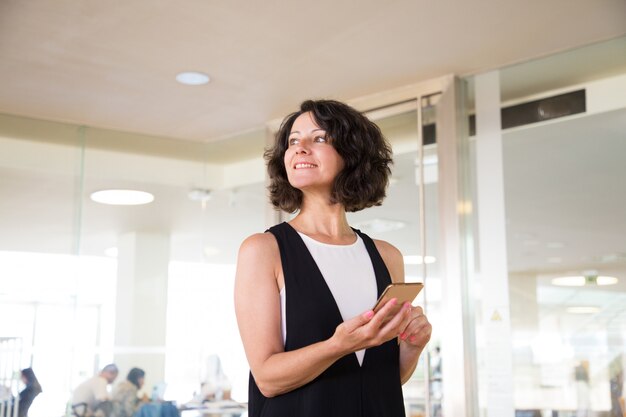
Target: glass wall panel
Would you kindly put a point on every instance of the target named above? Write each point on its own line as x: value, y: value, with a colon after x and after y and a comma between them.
x: 397, y: 221
x: 563, y: 145
x: 84, y: 284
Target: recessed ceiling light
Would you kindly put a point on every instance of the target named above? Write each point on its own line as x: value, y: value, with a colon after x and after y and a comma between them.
x: 192, y: 78
x: 583, y: 310
x: 122, y: 197
x: 579, y: 281
x: 417, y: 259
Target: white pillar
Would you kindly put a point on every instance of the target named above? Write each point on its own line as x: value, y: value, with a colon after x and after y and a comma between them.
x: 141, y: 304
x: 492, y: 243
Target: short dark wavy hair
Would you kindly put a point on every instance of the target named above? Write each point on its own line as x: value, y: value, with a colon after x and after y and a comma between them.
x: 366, y: 154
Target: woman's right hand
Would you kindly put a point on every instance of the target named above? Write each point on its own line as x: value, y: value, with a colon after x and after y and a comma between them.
x: 372, y: 329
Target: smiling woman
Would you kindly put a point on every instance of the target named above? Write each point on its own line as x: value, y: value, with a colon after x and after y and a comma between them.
x: 364, y: 152
x: 310, y: 160
x: 304, y: 292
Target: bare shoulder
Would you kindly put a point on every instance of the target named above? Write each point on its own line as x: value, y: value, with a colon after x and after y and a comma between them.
x: 393, y: 259
x: 259, y: 244
x: 259, y: 255
x: 387, y: 250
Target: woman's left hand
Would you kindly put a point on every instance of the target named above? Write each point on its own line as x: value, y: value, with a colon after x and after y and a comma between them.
x: 418, y: 330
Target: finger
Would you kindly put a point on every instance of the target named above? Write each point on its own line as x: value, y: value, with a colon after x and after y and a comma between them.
x: 358, y: 321
x: 419, y: 329
x: 399, y: 321
x: 422, y: 337
x: 381, y: 315
x: 415, y: 321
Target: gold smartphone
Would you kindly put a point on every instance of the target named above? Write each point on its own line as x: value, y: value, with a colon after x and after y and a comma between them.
x: 403, y: 292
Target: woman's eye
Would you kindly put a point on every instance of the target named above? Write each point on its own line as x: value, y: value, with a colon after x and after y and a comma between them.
x: 320, y: 139
x: 293, y: 141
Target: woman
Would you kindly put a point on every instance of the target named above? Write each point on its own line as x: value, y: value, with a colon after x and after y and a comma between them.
x: 125, y: 400
x: 28, y: 394
x: 305, y: 290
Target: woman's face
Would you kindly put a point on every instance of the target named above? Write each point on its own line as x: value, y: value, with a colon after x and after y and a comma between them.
x: 312, y: 163
x: 140, y: 381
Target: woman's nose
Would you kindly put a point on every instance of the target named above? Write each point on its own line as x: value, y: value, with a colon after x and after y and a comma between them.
x: 302, y: 149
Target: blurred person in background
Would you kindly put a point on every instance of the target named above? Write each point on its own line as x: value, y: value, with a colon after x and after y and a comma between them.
x: 93, y: 394
x: 125, y: 395
x: 27, y: 395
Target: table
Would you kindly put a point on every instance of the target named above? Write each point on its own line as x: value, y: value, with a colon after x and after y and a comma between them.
x: 224, y: 408
x: 154, y: 409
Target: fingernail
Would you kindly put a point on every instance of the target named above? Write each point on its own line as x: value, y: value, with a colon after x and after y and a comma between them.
x: 402, y: 335
x: 412, y: 339
x: 369, y: 314
x: 393, y: 301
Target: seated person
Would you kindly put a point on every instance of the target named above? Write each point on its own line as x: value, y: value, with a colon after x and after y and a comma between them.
x: 125, y: 400
x: 216, y: 385
x: 92, y: 394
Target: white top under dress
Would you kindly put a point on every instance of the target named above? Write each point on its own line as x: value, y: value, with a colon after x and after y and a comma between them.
x: 349, y: 274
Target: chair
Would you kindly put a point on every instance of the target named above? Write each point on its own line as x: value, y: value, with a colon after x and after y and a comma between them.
x: 79, y: 410
x: 103, y: 408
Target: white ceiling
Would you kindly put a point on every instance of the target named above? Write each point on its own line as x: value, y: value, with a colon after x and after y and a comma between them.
x: 112, y: 64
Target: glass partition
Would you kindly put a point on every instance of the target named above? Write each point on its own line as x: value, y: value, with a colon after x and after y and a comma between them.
x: 402, y: 222
x: 84, y: 284
x: 562, y: 146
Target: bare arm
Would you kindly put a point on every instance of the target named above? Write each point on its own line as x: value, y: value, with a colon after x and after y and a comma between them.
x: 416, y: 334
x: 257, y: 305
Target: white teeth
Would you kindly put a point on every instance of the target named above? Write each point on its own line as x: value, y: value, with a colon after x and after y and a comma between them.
x: 303, y: 165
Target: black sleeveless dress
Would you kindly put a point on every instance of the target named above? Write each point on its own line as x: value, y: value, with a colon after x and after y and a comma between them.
x: 345, y: 389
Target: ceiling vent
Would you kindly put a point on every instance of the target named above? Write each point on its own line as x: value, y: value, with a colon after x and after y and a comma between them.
x: 535, y: 111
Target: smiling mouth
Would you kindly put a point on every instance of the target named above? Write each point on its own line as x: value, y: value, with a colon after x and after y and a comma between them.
x: 302, y: 165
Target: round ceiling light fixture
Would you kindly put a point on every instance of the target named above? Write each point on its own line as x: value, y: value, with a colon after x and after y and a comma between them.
x: 192, y: 78
x: 122, y: 197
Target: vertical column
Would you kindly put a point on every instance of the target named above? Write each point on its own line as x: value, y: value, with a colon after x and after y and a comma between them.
x: 493, y: 257
x: 457, y: 350
x: 141, y: 304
